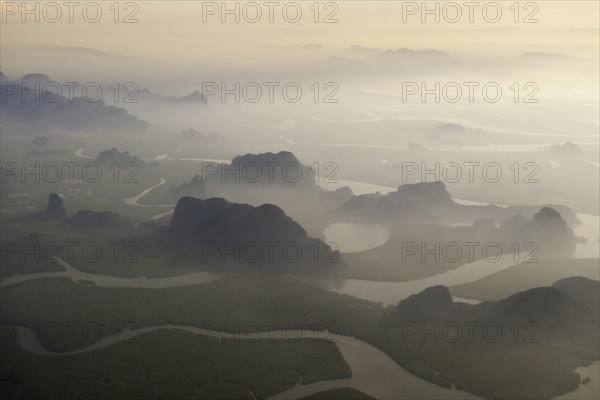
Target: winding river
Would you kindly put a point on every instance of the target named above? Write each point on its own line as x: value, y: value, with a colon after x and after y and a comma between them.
x: 390, y: 293
x: 373, y: 371
x: 85, y: 278
x: 134, y: 201
x: 353, y: 237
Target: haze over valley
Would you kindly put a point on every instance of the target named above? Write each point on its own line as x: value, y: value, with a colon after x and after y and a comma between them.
x: 355, y: 200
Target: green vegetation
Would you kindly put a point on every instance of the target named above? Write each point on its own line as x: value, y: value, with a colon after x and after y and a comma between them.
x: 251, y: 299
x: 529, y: 370
x: 172, y: 364
x: 121, y: 250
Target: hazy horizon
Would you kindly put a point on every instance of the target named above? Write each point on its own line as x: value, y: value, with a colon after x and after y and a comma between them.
x: 355, y: 200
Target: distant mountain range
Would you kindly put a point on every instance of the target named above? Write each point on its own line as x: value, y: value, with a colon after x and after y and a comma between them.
x: 553, y: 316
x: 431, y: 202
x: 73, y: 111
x: 112, y: 156
x: 195, y: 96
x: 565, y: 150
x: 196, y: 187
x: 219, y: 235
x: 83, y: 219
x: 276, y: 170
x: 50, y: 110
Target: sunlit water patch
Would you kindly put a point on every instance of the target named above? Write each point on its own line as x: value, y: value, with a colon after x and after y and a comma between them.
x: 351, y: 237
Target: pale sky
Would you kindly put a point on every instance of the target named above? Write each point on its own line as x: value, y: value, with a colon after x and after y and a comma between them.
x: 172, y: 33
x: 176, y: 27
